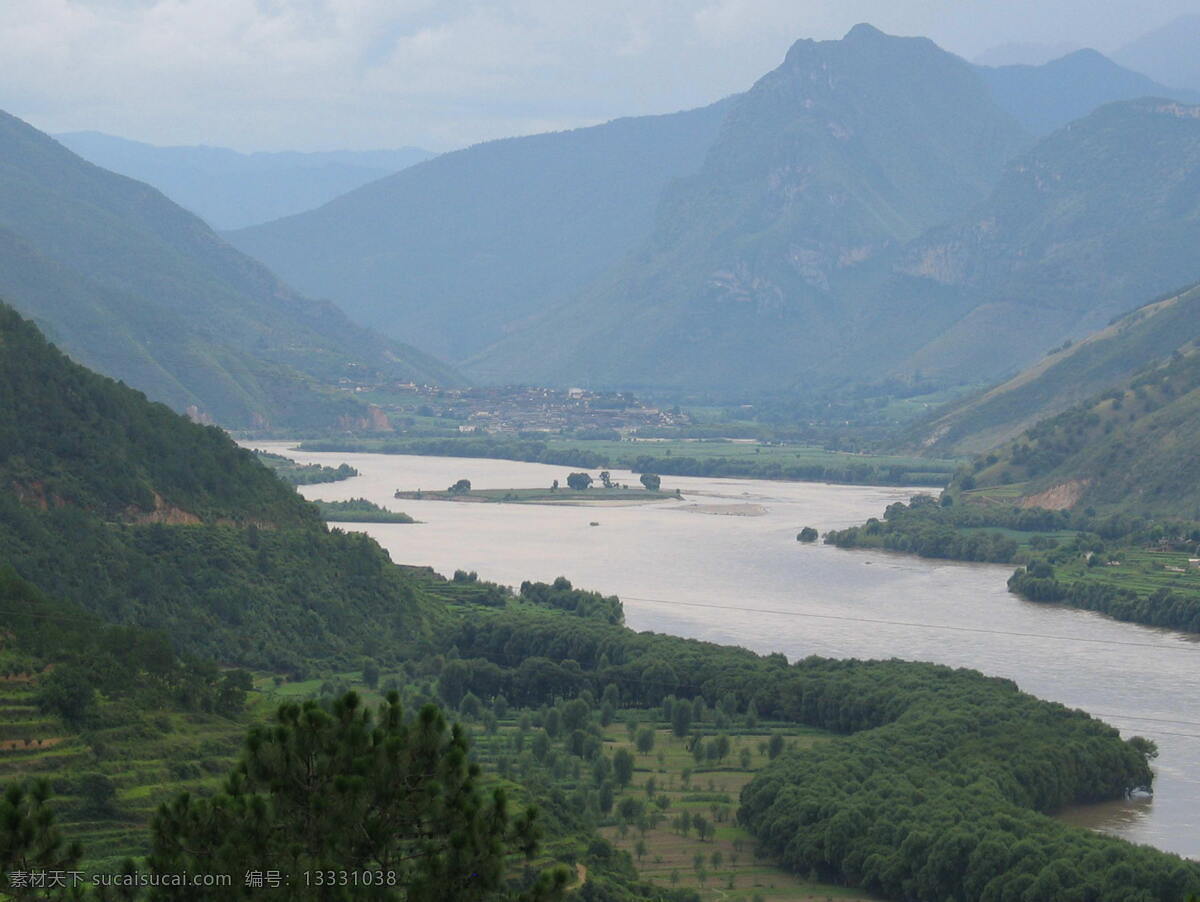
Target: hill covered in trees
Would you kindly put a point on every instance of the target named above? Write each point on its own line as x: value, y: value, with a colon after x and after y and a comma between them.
x: 1068, y: 375
x: 118, y: 505
x: 1134, y: 448
x: 137, y: 288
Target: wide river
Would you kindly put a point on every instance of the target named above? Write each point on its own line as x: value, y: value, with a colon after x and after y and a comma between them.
x: 723, y: 564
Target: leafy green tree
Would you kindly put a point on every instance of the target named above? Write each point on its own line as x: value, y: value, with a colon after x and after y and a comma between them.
x: 681, y: 719
x: 623, y: 763
x: 68, y: 691
x: 98, y: 793
x: 575, y: 714
x: 651, y: 481
x: 606, y: 479
x: 462, y: 487
x: 775, y: 746
x: 579, y: 481
x: 605, y: 798
x: 645, y: 741
x: 338, y: 788
x: 370, y: 674
x: 807, y: 534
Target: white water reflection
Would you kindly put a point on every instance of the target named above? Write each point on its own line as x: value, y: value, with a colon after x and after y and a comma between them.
x: 769, y: 593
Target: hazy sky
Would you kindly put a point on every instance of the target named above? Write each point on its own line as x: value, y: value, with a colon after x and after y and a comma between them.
x: 323, y: 74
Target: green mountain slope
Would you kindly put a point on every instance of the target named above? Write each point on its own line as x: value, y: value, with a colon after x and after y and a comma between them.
x: 1066, y: 377
x: 231, y: 190
x: 455, y: 252
x: 846, y: 151
x: 1101, y: 212
x: 1134, y: 448
x: 132, y: 285
x: 1047, y: 97
x: 127, y: 510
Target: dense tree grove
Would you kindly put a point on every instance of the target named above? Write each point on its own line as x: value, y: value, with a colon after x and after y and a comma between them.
x: 1162, y: 607
x: 338, y: 789
x: 923, y: 528
x: 70, y: 436
x: 940, y: 791
x: 88, y: 656
x: 561, y: 595
x: 274, y: 598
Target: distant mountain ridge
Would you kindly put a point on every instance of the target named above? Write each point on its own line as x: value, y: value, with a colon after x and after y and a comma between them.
x: 456, y: 252
x: 1167, y: 53
x: 835, y: 226
x: 828, y: 164
x: 132, y: 285
x: 232, y: 190
x: 1098, y: 215
x: 1046, y: 97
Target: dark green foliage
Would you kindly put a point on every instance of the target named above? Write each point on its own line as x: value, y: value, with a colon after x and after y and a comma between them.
x: 71, y: 437
x: 562, y: 596
x: 30, y: 840
x: 338, y: 789
x: 623, y: 767
x: 274, y: 598
x: 84, y: 656
x: 934, y: 753
x: 304, y: 474
x: 359, y: 510
x: 927, y: 529
x: 139, y: 289
x: 1161, y: 607
x: 1134, y: 448
x: 807, y: 534
x: 652, y: 481
x: 578, y: 481
x: 258, y: 580
x: 68, y: 692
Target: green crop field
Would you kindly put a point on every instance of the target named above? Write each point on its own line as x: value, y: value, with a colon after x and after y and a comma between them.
x: 1139, y: 570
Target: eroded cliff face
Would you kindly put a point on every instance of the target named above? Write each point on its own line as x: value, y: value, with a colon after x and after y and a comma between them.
x: 1063, y: 496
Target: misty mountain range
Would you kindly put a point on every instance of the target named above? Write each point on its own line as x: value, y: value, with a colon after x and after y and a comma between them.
x: 231, y: 190
x: 804, y: 237
x: 873, y: 208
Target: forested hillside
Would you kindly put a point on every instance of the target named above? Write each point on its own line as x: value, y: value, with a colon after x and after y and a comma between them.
x: 137, y: 288
x: 1134, y: 448
x: 125, y: 509
x: 1068, y: 375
